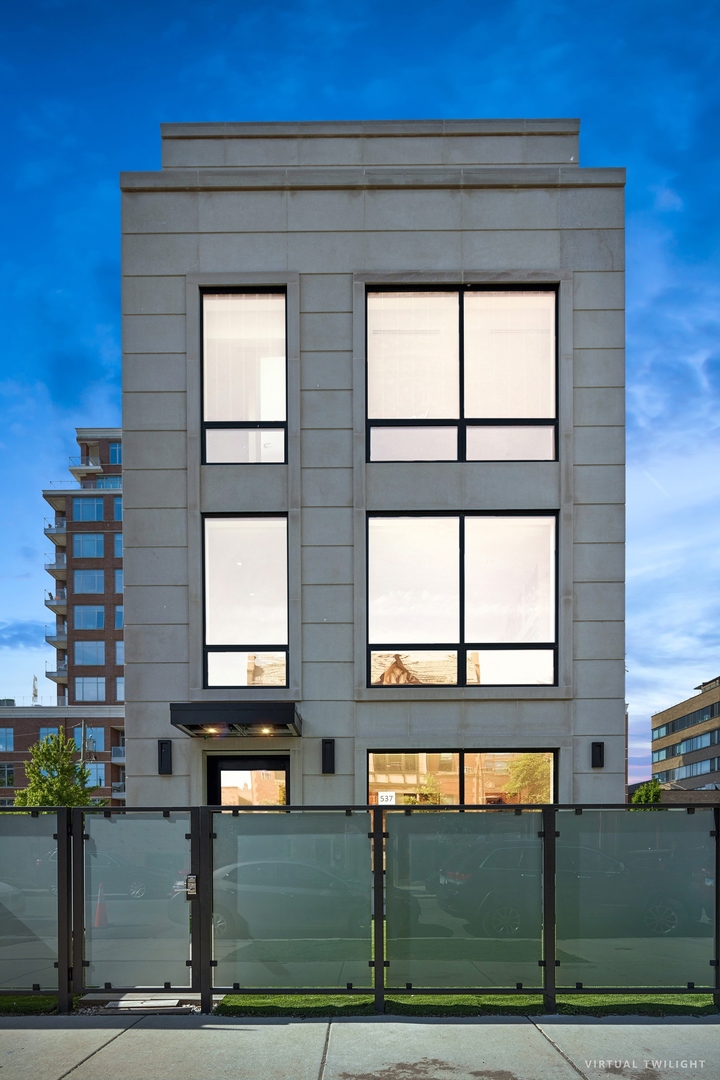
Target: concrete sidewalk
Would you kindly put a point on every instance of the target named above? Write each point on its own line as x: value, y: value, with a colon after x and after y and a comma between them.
x: 361, y: 1048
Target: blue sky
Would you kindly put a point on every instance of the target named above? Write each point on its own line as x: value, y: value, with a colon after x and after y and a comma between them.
x: 85, y: 86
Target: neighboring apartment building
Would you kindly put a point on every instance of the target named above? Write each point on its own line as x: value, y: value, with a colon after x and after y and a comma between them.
x: 686, y: 740
x: 374, y: 483
x: 23, y: 726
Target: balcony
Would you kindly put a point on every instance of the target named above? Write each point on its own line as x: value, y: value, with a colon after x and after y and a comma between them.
x: 58, y: 567
x: 118, y: 789
x: 61, y: 699
x: 57, y: 601
x: 59, y: 674
x: 56, y: 636
x: 117, y: 755
x: 57, y: 531
x: 81, y: 466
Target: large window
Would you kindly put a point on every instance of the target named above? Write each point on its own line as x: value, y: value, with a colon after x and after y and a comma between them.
x: 46, y: 732
x: 246, y: 601
x: 86, y: 508
x: 89, y: 581
x: 97, y: 774
x: 461, y: 600
x: 115, y: 453
x: 7, y: 740
x: 90, y: 689
x: 7, y: 775
x: 89, y: 652
x: 88, y: 546
x: 94, y: 739
x: 118, y: 574
x: 119, y: 617
x: 461, y: 375
x: 120, y: 688
x: 117, y: 508
x: 118, y: 545
x: 244, y: 363
x: 89, y: 617
x: 474, y: 778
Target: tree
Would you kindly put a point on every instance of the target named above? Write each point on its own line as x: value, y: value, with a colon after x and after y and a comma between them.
x: 647, y: 793
x: 529, y: 778
x: 55, y: 777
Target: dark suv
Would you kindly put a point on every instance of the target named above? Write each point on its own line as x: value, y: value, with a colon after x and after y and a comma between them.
x: 497, y: 889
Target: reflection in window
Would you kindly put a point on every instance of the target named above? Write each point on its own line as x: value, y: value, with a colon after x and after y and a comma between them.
x: 89, y: 617
x: 413, y: 779
x: 502, y: 344
x: 507, y: 636
x: 244, y: 362
x: 467, y: 777
x: 89, y: 652
x: 246, y: 601
x: 88, y: 545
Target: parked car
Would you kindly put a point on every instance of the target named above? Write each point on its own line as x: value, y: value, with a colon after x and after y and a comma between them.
x: 118, y: 876
x: 497, y: 890
x: 282, y: 898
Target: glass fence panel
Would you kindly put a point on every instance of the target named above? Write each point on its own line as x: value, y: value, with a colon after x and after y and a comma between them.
x: 292, y: 899
x: 137, y: 920
x: 635, y: 897
x: 28, y: 901
x: 464, y: 898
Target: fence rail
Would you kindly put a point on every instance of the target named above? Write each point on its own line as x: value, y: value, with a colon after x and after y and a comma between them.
x: 420, y: 899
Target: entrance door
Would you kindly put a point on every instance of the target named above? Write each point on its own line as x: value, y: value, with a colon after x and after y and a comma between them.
x: 248, y: 780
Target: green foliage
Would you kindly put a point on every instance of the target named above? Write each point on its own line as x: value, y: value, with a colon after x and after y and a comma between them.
x: 55, y: 777
x: 529, y: 778
x: 647, y: 793
x: 430, y: 792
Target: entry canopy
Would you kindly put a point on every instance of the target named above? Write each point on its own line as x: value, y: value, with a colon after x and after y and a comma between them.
x: 223, y: 719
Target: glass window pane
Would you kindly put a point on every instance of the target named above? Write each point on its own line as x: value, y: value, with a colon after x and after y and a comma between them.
x: 119, y: 617
x: 88, y: 545
x: 510, y: 443
x: 423, y: 778
x: 244, y: 356
x: 89, y: 617
x: 120, y: 652
x: 453, y: 920
x: 90, y: 689
x: 118, y: 581
x: 246, y: 581
x: 118, y: 545
x: 413, y: 355
x: 510, y: 667
x: 497, y: 778
x: 89, y: 581
x: 89, y: 652
x: 413, y: 444
x: 137, y: 921
x: 120, y: 688
x: 117, y: 508
x: 252, y: 787
x: 635, y: 897
x: 509, y: 354
x: 413, y: 579
x: 292, y: 899
x: 246, y: 669
x: 28, y: 904
x: 231, y: 445
x: 509, y: 579
x: 115, y: 453
x: 420, y: 667
x: 87, y: 509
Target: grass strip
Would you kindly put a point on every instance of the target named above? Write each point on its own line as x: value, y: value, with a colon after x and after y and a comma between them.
x: 306, y: 1005
x: 22, y: 1005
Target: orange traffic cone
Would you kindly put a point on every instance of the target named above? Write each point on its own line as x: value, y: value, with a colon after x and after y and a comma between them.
x: 101, y: 919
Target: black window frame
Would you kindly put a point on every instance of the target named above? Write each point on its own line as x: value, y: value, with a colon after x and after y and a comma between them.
x: 462, y: 423
x: 461, y: 751
x: 254, y: 647
x: 245, y: 425
x: 462, y: 646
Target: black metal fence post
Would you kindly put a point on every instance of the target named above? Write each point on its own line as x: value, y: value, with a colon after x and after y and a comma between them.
x: 378, y: 845
x: 549, y: 908
x: 203, y: 906
x: 78, y: 900
x: 64, y: 912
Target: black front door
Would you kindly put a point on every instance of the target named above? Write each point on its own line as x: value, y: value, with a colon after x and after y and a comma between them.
x: 248, y: 780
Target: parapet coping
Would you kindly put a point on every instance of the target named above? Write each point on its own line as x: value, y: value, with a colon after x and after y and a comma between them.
x: 353, y: 129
